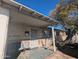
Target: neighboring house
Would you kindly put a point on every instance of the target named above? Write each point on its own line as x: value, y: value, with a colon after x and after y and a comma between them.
x: 18, y: 23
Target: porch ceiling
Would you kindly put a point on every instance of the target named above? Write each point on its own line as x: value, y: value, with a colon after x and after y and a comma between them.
x: 25, y: 19
x: 35, y: 18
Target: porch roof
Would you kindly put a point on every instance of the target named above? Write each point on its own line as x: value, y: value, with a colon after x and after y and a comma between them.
x: 17, y: 17
x: 23, y: 14
x: 30, y: 11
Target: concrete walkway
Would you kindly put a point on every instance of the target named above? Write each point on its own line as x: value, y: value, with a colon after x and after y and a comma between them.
x: 36, y: 53
x: 39, y: 53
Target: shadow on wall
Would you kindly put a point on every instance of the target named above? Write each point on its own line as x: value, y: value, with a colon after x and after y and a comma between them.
x: 12, y: 50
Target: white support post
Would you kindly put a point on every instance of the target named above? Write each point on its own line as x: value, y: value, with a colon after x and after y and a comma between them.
x: 53, y: 39
x: 4, y: 19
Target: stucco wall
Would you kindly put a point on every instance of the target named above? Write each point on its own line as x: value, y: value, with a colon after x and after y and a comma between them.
x: 4, y: 19
x: 15, y: 35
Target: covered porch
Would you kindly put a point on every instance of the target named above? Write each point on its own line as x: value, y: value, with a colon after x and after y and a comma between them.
x: 23, y: 27
x: 18, y: 25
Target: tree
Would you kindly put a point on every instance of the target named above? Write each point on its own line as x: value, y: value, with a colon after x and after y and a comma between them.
x: 67, y: 13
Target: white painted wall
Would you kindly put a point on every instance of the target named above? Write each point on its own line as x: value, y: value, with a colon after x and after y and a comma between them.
x: 15, y: 34
x: 4, y: 18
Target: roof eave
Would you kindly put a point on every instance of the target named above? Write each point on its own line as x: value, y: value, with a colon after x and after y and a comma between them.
x: 33, y: 12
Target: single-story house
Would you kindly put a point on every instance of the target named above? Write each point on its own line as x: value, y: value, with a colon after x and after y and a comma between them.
x: 17, y: 23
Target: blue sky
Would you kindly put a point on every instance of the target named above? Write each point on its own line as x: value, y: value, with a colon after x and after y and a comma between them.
x: 41, y: 6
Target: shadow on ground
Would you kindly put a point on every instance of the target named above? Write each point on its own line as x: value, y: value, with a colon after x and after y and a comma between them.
x: 73, y: 52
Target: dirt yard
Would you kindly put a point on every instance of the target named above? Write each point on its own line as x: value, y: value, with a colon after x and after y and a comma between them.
x: 60, y: 55
x: 64, y: 53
